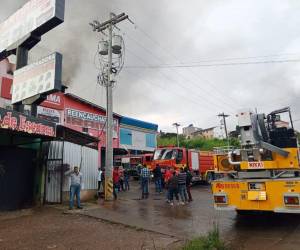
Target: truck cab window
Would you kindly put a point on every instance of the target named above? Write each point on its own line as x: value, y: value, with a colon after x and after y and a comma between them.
x: 179, y: 157
x: 168, y: 155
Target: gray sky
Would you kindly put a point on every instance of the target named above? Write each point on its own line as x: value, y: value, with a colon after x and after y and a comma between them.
x: 194, y: 32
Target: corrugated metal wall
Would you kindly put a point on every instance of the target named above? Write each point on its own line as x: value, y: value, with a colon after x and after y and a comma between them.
x: 53, y: 174
x: 76, y: 155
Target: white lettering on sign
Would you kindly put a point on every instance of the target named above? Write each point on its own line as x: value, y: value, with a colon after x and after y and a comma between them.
x: 89, y: 120
x: 53, y: 98
x: 256, y: 165
x: 88, y: 116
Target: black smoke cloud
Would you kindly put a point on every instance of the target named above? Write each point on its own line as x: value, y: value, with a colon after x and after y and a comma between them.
x: 171, y: 32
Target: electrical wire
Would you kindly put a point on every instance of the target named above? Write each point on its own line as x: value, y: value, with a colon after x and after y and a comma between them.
x: 170, y: 90
x: 201, y: 97
x: 212, y: 65
x: 197, y: 77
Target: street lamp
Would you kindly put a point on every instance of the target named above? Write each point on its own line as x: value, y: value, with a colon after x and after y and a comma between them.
x: 177, y: 125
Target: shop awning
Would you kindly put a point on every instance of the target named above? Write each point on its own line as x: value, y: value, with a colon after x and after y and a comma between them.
x: 70, y: 135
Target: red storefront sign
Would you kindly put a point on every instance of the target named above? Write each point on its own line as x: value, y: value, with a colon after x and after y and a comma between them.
x: 89, y: 120
x: 6, y: 88
x: 54, y: 101
x: 19, y: 122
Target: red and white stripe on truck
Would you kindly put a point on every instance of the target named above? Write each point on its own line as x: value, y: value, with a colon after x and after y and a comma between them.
x: 200, y: 163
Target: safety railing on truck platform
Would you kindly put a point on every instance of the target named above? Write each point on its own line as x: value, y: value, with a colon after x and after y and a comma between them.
x: 223, y: 150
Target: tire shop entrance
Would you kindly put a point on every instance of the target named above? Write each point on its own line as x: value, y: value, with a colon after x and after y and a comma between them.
x: 22, y: 158
x: 70, y: 148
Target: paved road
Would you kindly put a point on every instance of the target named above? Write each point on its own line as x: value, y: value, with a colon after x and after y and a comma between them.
x: 49, y: 228
x: 243, y: 232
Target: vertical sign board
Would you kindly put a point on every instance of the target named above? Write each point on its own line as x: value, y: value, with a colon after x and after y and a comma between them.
x: 40, y: 77
x: 35, y: 18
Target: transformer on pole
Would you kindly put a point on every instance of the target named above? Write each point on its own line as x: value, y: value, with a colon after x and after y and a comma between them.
x: 109, y: 67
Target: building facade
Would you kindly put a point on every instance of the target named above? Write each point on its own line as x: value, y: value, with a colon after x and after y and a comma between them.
x: 137, y: 136
x: 189, y: 130
x: 207, y: 133
x: 81, y: 140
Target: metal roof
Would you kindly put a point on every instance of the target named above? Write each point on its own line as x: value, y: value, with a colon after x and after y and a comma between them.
x: 138, y: 123
x: 79, y: 99
x: 123, y: 120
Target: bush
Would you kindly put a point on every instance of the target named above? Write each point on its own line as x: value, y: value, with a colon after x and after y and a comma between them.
x: 197, y: 143
x: 211, y: 241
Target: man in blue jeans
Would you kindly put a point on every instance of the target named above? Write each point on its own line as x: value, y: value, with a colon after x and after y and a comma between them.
x: 182, y: 176
x: 157, y: 178
x: 76, y: 182
x: 145, y: 175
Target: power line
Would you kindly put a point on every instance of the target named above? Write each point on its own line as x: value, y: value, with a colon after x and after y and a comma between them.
x: 170, y: 91
x: 167, y: 51
x: 187, y: 80
x: 241, y: 58
x: 213, y: 60
x: 178, y: 83
x: 213, y: 65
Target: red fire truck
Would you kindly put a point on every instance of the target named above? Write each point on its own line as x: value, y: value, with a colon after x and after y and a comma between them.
x: 132, y: 161
x: 200, y: 163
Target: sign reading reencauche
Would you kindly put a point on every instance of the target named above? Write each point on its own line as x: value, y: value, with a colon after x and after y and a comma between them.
x: 89, y: 120
x: 36, y: 17
x: 255, y: 165
x: 40, y: 77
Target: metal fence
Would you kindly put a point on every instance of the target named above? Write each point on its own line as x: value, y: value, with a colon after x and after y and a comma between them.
x: 73, y: 155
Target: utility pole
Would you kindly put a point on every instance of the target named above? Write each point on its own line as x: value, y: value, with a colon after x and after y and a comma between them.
x: 109, y: 122
x: 224, y: 121
x: 177, y: 138
x: 101, y: 27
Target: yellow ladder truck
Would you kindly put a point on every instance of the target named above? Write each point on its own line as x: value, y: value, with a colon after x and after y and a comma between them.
x: 263, y: 174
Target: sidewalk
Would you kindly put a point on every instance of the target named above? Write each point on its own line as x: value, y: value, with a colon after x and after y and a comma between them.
x: 183, y: 222
x: 154, y: 214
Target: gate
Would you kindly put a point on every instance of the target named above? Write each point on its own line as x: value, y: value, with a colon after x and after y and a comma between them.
x: 54, y: 179
x: 16, y: 177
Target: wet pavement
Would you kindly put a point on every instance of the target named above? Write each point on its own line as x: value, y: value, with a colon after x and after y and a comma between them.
x: 262, y: 231
x: 50, y: 228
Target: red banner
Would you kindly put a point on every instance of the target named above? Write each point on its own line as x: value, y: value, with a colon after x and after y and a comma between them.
x: 16, y: 121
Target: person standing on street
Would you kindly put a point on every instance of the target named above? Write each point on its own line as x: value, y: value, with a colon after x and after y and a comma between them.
x: 189, y: 178
x: 126, y: 179
x: 172, y: 187
x: 103, y: 179
x: 99, y: 178
x: 157, y: 179
x: 76, y: 183
x: 167, y: 177
x: 182, y: 186
x: 116, y: 179
x: 145, y: 175
x: 121, y: 181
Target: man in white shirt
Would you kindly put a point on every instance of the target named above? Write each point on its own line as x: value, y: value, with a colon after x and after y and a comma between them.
x: 76, y: 182
x: 99, y: 178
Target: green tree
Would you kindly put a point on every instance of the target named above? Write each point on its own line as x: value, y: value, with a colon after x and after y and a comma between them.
x: 197, y: 143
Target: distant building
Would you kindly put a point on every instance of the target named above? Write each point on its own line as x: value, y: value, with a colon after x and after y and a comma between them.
x: 189, y: 130
x: 233, y: 134
x: 207, y: 133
